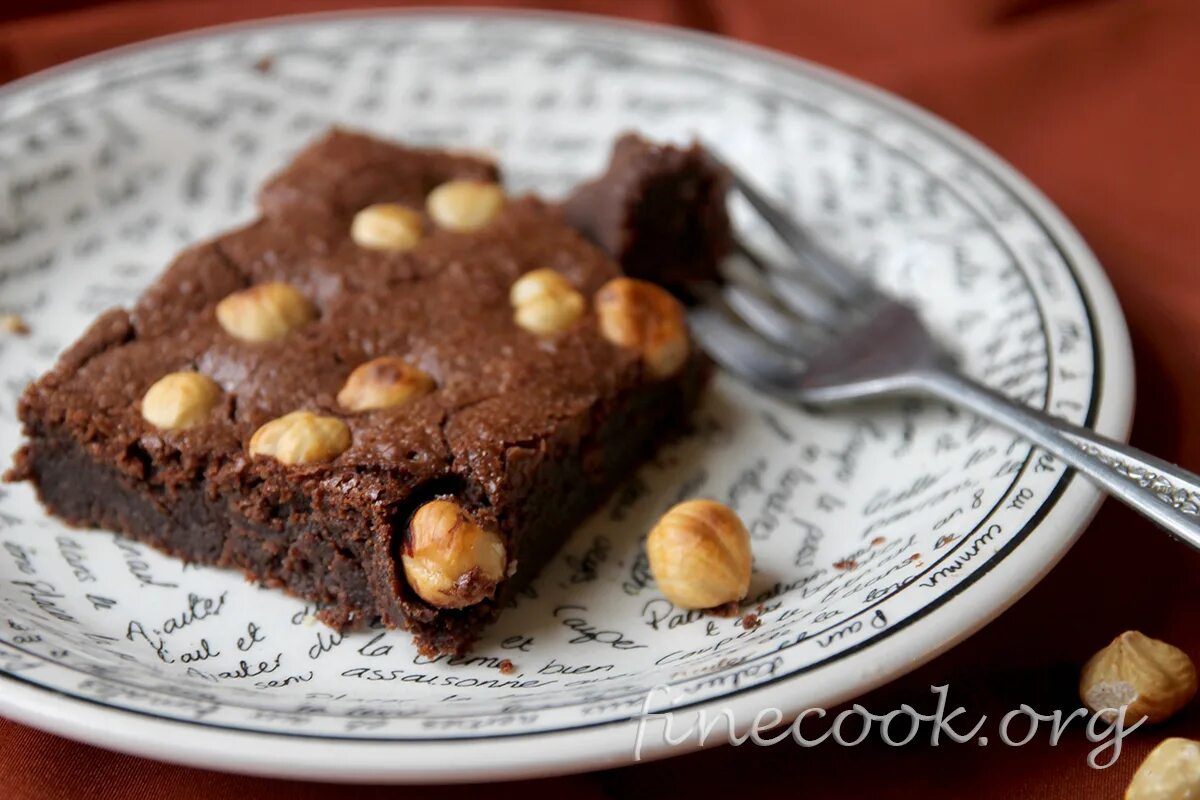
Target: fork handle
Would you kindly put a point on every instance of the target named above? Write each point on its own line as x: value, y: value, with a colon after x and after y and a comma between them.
x: 1163, y: 492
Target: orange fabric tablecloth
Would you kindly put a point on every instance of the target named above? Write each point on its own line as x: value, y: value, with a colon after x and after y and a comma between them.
x: 1098, y: 101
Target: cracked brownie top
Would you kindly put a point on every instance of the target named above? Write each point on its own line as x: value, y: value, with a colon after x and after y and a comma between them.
x: 442, y: 307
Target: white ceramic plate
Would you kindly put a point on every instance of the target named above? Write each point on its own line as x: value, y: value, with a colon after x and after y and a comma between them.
x: 882, y: 536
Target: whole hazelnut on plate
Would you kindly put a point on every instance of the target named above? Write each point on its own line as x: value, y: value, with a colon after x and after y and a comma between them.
x: 301, y: 437
x: 264, y: 312
x: 451, y: 561
x: 383, y: 383
x: 386, y: 226
x: 1170, y: 772
x: 464, y: 205
x: 699, y: 553
x: 545, y: 302
x: 1152, y: 678
x: 646, y: 318
x: 179, y: 400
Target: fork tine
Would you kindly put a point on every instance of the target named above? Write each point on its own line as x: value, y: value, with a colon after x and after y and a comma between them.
x: 791, y: 289
x: 847, y: 285
x: 770, y: 321
x: 741, y: 352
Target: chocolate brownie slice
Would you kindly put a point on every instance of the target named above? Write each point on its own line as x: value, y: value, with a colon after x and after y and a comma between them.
x: 658, y: 210
x: 395, y: 393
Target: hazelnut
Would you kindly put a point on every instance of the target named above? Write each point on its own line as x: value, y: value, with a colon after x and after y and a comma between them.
x: 1152, y: 678
x: 545, y: 302
x: 464, y: 206
x: 265, y: 312
x: 301, y: 437
x: 383, y: 383
x: 179, y: 400
x: 386, y: 226
x: 449, y: 560
x: 646, y: 318
x: 1170, y: 772
x: 699, y: 553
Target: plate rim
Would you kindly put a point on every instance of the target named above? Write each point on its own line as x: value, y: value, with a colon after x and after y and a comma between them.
x: 1070, y: 505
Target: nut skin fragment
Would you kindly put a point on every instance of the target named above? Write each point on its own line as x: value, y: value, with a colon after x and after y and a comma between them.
x: 699, y: 553
x: 646, y: 318
x: 464, y: 206
x: 179, y: 400
x: 301, y: 437
x: 264, y: 313
x: 1170, y: 772
x: 1152, y: 677
x: 383, y: 382
x: 450, y: 561
x: 386, y: 226
x: 14, y: 324
x: 544, y: 302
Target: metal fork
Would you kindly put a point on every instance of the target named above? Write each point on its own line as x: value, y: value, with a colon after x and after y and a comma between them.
x: 824, y: 335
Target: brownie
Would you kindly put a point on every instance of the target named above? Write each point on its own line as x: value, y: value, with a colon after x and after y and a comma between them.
x: 526, y: 433
x: 658, y: 210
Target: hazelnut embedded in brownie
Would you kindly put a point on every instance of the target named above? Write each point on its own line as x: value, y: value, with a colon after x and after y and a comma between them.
x: 394, y: 393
